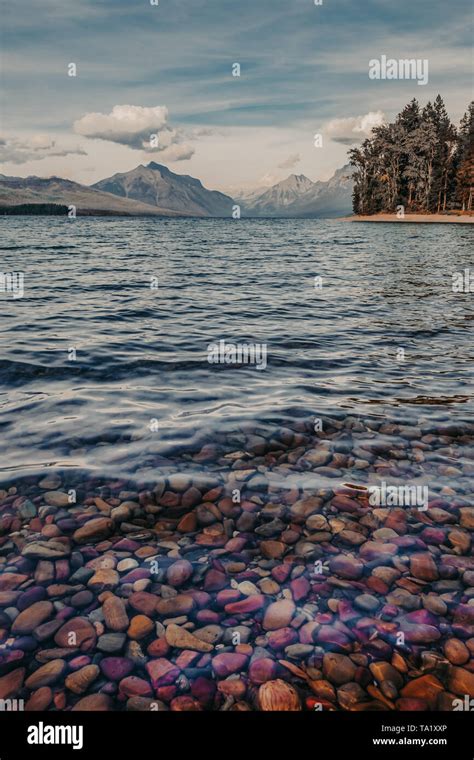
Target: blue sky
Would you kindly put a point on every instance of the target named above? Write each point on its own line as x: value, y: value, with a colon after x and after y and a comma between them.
x: 302, y: 66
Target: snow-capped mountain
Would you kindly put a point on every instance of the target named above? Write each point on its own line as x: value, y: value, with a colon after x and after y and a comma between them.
x: 298, y: 196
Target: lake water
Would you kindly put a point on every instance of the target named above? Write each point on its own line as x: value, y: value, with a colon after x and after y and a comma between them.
x: 104, y: 360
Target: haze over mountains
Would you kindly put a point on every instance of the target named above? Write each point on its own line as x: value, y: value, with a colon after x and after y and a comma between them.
x: 156, y: 190
x: 281, y: 194
x: 298, y: 196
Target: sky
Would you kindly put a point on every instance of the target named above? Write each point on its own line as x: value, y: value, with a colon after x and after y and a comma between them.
x: 166, y: 70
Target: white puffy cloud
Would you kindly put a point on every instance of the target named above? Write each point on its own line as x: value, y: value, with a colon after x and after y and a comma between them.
x: 127, y: 125
x: 35, y: 148
x: 177, y: 152
x: 353, y: 129
x: 139, y: 128
x: 290, y: 162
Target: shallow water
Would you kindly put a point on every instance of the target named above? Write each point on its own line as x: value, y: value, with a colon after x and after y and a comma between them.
x: 141, y: 387
x: 216, y: 499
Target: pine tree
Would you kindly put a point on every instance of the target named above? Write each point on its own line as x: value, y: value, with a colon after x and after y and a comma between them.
x: 419, y: 161
x: 464, y: 186
x: 444, y: 159
x: 409, y: 120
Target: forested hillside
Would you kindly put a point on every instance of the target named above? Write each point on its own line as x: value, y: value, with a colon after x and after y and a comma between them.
x: 421, y: 162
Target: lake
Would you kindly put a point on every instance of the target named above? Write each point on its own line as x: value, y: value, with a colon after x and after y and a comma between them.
x: 104, y: 360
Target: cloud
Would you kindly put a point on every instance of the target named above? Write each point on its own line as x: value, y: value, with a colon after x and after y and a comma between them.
x: 36, y: 148
x: 353, y: 129
x: 139, y: 128
x: 177, y: 152
x: 126, y: 125
x: 203, y: 132
x: 290, y: 162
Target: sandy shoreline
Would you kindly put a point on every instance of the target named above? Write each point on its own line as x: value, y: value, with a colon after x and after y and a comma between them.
x: 414, y: 218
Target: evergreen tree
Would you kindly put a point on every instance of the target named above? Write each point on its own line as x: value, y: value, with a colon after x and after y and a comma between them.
x: 464, y: 185
x: 419, y: 161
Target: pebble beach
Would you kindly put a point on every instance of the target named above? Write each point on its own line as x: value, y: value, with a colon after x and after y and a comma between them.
x: 254, y: 574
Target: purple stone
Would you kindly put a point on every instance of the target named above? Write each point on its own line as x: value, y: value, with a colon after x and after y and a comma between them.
x: 204, y: 661
x: 14, y: 655
x: 109, y: 688
x: 207, y: 616
x: 420, y: 634
x: 408, y: 542
x: 215, y: 580
x: 262, y: 670
x: 203, y: 690
x: 66, y: 613
x: 26, y: 643
x: 139, y: 574
x: 332, y: 639
x: 389, y: 611
x: 116, y: 668
x: 29, y: 597
x: 227, y: 596
x: 282, y: 638
x: 421, y: 616
x: 62, y: 570
x: 67, y: 525
x: 300, y: 588
x: 433, y: 536
x: 162, y: 672
x: 202, y: 598
x: 126, y: 545
x: 79, y: 662
x: 227, y: 663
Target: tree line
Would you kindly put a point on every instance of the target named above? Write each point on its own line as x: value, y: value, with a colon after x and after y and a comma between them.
x: 421, y: 161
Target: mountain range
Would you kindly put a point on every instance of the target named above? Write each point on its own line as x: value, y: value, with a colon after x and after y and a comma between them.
x: 298, y: 196
x: 155, y: 190
x: 32, y: 193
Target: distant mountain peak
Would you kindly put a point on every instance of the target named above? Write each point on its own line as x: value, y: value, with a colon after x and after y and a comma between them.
x: 299, y: 177
x: 298, y: 196
x: 158, y: 167
x: 298, y: 181
x: 157, y: 185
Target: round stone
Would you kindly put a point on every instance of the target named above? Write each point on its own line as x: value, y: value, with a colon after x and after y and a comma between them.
x: 28, y: 620
x: 179, y: 572
x: 278, y: 615
x: 338, y: 668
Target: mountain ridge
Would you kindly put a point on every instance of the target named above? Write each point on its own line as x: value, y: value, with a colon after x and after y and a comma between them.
x: 155, y: 190
x: 155, y: 184
x: 20, y: 191
x: 297, y: 196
